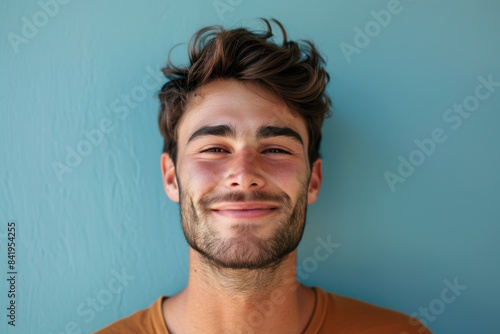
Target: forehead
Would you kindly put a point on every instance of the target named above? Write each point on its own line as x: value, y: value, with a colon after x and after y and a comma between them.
x: 242, y: 105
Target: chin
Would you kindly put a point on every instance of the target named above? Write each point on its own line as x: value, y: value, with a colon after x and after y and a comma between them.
x: 247, y: 252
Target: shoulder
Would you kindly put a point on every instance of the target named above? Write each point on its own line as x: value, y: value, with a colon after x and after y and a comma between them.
x: 148, y: 320
x: 350, y: 315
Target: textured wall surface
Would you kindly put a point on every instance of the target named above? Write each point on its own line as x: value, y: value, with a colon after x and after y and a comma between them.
x: 411, y: 156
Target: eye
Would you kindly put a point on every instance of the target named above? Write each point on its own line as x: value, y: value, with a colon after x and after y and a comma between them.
x: 276, y: 151
x: 213, y: 150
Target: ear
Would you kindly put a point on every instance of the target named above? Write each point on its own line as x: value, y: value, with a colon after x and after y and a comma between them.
x: 315, y: 181
x: 169, y: 177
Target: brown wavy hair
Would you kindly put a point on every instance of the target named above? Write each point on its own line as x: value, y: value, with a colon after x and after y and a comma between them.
x: 293, y: 71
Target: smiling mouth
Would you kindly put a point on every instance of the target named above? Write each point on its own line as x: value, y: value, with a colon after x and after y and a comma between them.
x: 251, y: 210
x: 253, y: 213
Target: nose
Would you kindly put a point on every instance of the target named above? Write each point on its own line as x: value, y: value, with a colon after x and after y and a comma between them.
x: 244, y: 171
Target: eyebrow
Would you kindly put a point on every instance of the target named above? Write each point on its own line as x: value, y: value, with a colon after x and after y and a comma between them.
x: 224, y: 130
x: 274, y: 131
x: 214, y: 130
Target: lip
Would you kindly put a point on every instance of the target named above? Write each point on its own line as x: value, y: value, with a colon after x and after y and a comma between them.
x: 245, y: 210
x: 245, y: 206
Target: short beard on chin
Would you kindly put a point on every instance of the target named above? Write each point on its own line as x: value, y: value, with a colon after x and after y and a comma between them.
x: 244, y: 250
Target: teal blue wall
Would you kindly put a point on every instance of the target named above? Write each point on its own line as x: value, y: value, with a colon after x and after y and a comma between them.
x: 64, y: 83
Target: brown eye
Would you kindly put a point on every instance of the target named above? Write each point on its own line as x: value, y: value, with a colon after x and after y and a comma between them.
x: 214, y: 150
x: 276, y: 151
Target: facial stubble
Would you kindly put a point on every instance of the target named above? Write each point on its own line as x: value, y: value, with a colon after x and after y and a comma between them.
x: 244, y: 250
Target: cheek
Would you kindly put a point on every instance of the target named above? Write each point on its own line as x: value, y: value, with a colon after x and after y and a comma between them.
x: 201, y: 174
x: 204, y: 175
x: 286, y: 175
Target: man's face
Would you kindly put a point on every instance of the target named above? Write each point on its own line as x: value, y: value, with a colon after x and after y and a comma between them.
x: 242, y: 177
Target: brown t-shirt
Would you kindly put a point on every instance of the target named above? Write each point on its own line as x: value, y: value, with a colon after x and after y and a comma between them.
x: 333, y: 314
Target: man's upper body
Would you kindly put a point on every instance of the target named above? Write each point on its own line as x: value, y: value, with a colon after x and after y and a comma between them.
x: 332, y: 314
x: 242, y: 129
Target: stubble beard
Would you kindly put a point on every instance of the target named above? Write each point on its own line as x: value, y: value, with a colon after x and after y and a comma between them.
x: 244, y: 250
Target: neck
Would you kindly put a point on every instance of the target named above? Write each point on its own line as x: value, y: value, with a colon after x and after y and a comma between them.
x: 222, y: 300
x: 240, y: 282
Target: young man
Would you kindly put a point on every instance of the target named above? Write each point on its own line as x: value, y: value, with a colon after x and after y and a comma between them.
x: 242, y: 130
